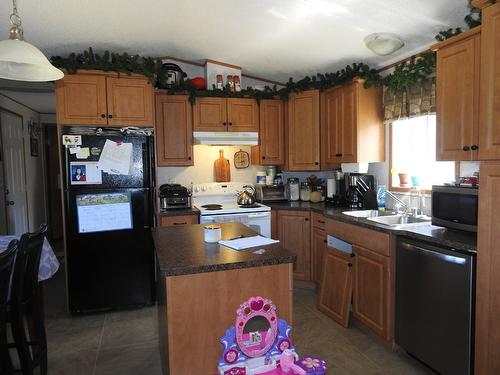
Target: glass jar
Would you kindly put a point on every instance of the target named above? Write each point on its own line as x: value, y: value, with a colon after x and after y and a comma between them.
x: 293, y: 189
x: 322, y: 190
x: 305, y: 191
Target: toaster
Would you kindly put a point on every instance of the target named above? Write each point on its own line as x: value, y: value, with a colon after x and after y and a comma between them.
x: 173, y: 196
x: 270, y: 193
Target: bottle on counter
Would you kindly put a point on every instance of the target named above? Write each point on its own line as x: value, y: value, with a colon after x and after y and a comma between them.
x: 305, y: 191
x: 293, y: 189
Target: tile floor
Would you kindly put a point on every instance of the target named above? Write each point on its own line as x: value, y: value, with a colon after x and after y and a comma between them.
x: 124, y: 343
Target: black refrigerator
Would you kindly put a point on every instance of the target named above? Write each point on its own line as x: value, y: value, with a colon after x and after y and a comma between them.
x: 108, y: 220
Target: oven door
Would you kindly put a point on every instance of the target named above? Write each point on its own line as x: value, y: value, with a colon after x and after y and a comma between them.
x: 258, y: 221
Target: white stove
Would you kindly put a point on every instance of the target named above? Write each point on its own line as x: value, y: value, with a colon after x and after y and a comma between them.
x: 217, y: 202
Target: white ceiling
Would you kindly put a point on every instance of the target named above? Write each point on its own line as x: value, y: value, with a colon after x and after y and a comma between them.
x: 269, y: 38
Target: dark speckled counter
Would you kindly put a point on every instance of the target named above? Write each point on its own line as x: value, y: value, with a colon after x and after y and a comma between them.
x: 180, y: 212
x: 182, y: 250
x: 455, y: 239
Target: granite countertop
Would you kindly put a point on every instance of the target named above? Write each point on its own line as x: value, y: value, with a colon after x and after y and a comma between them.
x: 180, y: 212
x: 452, y: 238
x: 182, y: 250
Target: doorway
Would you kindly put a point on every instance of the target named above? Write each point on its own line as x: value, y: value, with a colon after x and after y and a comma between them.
x: 13, y: 195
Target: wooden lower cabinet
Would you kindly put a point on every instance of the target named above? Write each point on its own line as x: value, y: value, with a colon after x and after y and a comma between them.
x: 294, y: 232
x: 168, y: 221
x: 318, y: 249
x: 274, y: 224
x: 371, y: 290
x: 336, y: 285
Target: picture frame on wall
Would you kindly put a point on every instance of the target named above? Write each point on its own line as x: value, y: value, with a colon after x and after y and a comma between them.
x: 34, y: 131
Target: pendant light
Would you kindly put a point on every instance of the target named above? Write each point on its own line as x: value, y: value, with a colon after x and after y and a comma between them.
x: 21, y: 61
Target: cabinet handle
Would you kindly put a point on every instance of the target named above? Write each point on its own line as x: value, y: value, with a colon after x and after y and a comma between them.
x: 183, y: 223
x: 338, y: 155
x: 230, y: 123
x: 263, y: 158
x: 189, y: 157
x: 224, y: 123
x: 352, y: 255
x: 103, y: 115
x: 316, y: 163
x: 110, y: 116
x: 350, y: 264
x: 321, y: 221
x: 325, y: 241
x: 306, y: 219
x: 466, y: 148
x: 474, y: 147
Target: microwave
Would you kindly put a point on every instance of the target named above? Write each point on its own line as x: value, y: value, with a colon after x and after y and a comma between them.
x: 455, y: 207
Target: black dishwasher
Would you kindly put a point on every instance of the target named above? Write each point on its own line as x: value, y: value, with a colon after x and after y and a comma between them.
x: 435, y: 305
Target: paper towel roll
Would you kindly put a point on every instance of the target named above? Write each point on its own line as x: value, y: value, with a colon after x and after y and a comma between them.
x: 330, y: 187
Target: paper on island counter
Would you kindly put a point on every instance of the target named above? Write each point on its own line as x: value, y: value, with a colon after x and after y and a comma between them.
x: 247, y: 242
x: 116, y: 158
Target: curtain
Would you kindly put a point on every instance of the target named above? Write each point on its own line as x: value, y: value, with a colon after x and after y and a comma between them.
x: 418, y: 100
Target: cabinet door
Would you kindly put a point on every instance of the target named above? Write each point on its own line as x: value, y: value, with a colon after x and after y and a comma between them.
x: 294, y: 234
x: 81, y: 99
x: 274, y: 224
x: 487, y: 360
x: 303, y: 131
x: 331, y: 128
x: 130, y: 101
x: 210, y: 114
x: 272, y: 133
x: 174, y: 130
x: 242, y: 115
x: 335, y: 293
x: 371, y: 290
x: 349, y: 123
x: 489, y: 117
x: 457, y: 99
x: 318, y: 248
x: 170, y: 221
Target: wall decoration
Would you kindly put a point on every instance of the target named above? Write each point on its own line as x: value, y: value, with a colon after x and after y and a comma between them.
x: 34, y: 131
x: 241, y: 159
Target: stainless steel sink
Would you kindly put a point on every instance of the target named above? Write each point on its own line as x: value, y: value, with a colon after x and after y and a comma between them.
x: 362, y: 213
x: 400, y: 220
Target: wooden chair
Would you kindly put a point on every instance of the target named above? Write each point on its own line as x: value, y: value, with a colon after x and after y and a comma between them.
x: 6, y: 266
x: 26, y: 305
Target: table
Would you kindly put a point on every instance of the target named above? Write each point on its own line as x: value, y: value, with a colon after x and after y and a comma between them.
x: 48, y: 260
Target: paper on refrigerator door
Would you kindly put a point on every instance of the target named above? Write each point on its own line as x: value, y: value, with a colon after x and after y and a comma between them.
x: 116, y: 158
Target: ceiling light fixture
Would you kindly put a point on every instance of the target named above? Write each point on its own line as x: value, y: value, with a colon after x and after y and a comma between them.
x: 383, y: 44
x: 21, y: 61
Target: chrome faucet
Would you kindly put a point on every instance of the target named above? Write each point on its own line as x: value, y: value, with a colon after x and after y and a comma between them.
x: 399, y: 203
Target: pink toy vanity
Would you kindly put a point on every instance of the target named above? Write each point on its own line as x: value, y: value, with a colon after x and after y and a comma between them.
x: 259, y: 344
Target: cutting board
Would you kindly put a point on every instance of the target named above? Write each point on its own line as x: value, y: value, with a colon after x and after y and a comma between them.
x: 222, y: 168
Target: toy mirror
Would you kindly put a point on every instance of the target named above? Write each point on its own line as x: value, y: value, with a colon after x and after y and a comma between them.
x: 256, y: 326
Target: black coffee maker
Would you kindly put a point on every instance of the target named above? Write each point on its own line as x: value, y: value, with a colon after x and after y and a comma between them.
x: 360, y: 191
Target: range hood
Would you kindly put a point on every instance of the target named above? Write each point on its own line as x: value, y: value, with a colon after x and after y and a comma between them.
x: 226, y: 138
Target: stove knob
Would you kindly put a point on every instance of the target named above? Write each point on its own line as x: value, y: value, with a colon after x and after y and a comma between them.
x: 204, y: 188
x: 196, y: 189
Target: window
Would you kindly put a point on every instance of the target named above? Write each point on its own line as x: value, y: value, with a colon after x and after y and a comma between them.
x: 413, y: 151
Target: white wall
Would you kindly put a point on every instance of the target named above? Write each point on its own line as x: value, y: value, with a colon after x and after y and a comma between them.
x: 203, y: 169
x: 35, y: 166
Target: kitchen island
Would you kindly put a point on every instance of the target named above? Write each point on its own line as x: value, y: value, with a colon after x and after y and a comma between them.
x: 200, y: 287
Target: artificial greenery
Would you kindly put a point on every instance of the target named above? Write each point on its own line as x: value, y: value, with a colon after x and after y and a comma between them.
x: 402, y: 78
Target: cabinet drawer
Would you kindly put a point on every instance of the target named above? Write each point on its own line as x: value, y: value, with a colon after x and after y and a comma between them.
x: 318, y: 220
x: 167, y: 221
x: 371, y: 239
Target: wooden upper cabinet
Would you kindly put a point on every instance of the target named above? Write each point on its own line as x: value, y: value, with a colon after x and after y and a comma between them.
x: 487, y: 360
x: 174, y: 130
x: 457, y: 96
x: 102, y: 98
x: 371, y: 290
x: 489, y: 118
x: 210, y: 114
x: 303, y: 131
x: 294, y: 235
x: 271, y: 148
x: 242, y: 115
x: 226, y: 114
x: 81, y: 99
x: 334, y: 298
x: 130, y: 101
x: 352, y: 126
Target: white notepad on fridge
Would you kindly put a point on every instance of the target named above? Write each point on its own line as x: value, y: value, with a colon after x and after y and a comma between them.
x: 247, y: 242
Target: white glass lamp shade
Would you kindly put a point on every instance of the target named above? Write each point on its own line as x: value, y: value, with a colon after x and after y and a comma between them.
x: 21, y: 61
x: 383, y: 44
